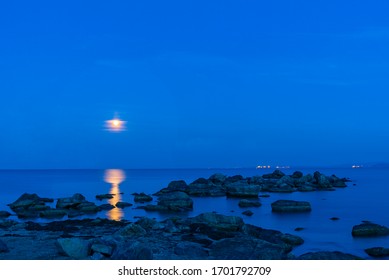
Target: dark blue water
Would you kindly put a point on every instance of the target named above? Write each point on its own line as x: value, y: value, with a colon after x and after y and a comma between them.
x: 367, y: 200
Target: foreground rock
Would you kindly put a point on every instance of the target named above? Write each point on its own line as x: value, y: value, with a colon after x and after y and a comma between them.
x: 326, y: 255
x: 290, y: 206
x: 377, y: 252
x: 368, y: 229
x: 171, y: 201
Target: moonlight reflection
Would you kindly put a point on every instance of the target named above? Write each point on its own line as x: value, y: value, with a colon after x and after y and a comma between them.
x: 115, y: 125
x: 115, y: 177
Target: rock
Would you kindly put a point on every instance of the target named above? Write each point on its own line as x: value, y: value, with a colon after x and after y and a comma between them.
x: 146, y: 223
x: 264, y: 195
x: 175, y: 201
x: 242, y: 189
x: 122, y: 204
x: 233, y: 179
x: 103, y: 249
x: 217, y: 178
x: 277, y: 174
x: 205, y: 188
x: 297, y: 175
x: 334, y: 218
x: 106, y: 206
x: 53, y: 213
x: 104, y: 196
x: 322, y: 181
x: 4, y: 214
x: 298, y: 229
x: 29, y: 202
x: 248, y: 213
x: 369, y: 230
x: 174, y: 186
x: 377, y: 252
x: 219, y: 222
x: 70, y: 202
x: 88, y: 207
x: 191, y: 251
x: 75, y: 248
x: 3, y: 247
x: 142, y: 197
x: 290, y: 206
x: 292, y: 239
x: 245, y: 248
x: 249, y: 203
x: 132, y: 251
x: 327, y: 255
x: 132, y: 230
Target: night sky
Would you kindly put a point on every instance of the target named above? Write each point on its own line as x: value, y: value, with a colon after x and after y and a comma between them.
x: 199, y: 83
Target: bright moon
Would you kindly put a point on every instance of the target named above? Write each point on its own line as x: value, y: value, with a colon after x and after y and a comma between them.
x: 115, y: 125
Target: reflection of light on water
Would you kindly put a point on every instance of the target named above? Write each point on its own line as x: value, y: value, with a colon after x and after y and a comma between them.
x: 115, y: 177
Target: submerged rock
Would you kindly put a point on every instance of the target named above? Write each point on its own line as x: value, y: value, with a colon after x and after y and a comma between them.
x: 290, y: 206
x: 249, y: 203
x: 369, y: 230
x: 248, y: 213
x: 377, y: 252
x: 104, y: 196
x: 123, y: 204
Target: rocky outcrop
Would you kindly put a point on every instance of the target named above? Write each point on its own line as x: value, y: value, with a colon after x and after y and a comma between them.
x: 377, y: 252
x: 174, y: 186
x: 123, y: 204
x: 368, y: 229
x: 29, y: 205
x: 290, y: 206
x: 104, y: 196
x: 171, y: 201
x: 242, y: 188
x: 249, y: 203
x: 327, y: 255
x: 142, y: 198
x: 208, y: 188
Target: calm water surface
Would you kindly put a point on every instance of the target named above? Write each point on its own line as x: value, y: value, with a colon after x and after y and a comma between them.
x: 367, y: 200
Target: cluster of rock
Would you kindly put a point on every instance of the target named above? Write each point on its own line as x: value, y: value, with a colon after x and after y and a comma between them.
x: 207, y: 236
x: 33, y: 206
x: 238, y: 186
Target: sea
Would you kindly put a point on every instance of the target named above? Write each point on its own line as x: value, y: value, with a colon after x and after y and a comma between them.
x: 364, y: 199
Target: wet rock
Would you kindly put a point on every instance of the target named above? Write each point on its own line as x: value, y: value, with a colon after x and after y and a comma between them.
x: 29, y: 202
x: 219, y: 222
x: 377, y: 252
x: 297, y: 175
x: 172, y: 201
x: 290, y: 206
x: 131, y: 230
x: 103, y: 249
x: 4, y: 214
x: 233, y: 179
x: 104, y: 196
x: 248, y: 213
x: 334, y: 218
x: 174, y: 186
x: 3, y: 247
x: 75, y: 248
x: 132, y: 251
x: 291, y: 239
x: 242, y: 189
x: 322, y: 181
x: 146, y: 223
x: 106, y: 206
x: 246, y: 248
x: 249, y: 203
x: 190, y: 250
x: 205, y: 188
x: 142, y: 197
x: 277, y: 174
x: 70, y: 202
x: 369, y: 230
x: 217, y: 178
x: 256, y: 180
x: 52, y: 213
x: 327, y: 255
x: 122, y: 204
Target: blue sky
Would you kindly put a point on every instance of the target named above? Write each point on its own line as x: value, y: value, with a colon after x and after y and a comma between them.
x: 200, y: 83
